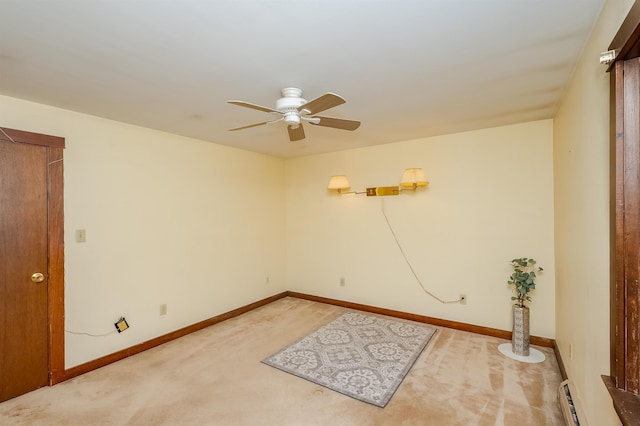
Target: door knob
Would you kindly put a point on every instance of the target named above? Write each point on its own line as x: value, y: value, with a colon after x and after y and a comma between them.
x: 37, y: 277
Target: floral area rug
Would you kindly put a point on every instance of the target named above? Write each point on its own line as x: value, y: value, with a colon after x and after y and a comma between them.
x: 362, y: 356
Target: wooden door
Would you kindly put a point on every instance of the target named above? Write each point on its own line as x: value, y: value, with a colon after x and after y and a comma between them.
x: 24, y: 362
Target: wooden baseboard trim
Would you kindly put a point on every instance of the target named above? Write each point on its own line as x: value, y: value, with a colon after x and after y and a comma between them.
x: 556, y: 351
x: 133, y: 350
x: 141, y: 347
x: 487, y: 331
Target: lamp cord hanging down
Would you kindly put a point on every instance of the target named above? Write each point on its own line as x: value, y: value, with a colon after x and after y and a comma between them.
x: 90, y: 334
x: 409, y: 263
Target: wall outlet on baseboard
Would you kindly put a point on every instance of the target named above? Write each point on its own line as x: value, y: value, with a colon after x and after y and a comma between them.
x: 342, y: 282
x: 163, y: 309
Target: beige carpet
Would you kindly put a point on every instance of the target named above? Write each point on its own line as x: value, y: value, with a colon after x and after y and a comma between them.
x: 215, y: 377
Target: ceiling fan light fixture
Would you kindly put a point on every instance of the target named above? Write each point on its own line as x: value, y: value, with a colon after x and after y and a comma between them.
x: 292, y: 119
x: 290, y: 108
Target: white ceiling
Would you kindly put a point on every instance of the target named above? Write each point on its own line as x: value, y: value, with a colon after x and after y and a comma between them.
x: 407, y: 68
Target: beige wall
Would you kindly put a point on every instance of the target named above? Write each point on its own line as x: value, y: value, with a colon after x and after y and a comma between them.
x: 168, y: 219
x: 581, y: 180
x: 173, y: 220
x: 490, y: 200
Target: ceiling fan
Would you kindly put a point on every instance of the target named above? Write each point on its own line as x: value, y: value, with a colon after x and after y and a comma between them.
x: 293, y: 110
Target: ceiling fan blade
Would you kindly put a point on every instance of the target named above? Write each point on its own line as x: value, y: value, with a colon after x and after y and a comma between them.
x: 296, y: 134
x: 324, y: 102
x: 251, y: 125
x: 337, y: 123
x: 253, y: 106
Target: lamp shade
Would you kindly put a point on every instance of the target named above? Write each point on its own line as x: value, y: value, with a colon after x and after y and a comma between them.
x: 414, y: 177
x: 338, y: 182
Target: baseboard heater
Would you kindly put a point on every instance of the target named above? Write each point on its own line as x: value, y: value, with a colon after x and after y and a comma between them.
x: 571, y: 409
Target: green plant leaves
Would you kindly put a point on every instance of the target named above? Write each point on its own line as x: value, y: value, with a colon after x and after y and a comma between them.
x: 523, y: 278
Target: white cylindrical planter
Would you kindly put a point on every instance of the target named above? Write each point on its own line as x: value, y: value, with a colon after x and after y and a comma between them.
x: 520, y: 335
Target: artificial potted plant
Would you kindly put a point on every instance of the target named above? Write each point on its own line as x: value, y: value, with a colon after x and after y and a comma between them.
x: 523, y: 281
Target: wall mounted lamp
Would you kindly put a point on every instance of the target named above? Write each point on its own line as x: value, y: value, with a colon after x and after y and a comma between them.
x: 411, y: 180
x: 341, y: 184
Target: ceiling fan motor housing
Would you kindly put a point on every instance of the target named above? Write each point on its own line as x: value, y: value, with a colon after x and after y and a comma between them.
x: 288, y: 105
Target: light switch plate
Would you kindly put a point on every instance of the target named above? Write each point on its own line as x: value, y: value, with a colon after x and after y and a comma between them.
x: 81, y: 235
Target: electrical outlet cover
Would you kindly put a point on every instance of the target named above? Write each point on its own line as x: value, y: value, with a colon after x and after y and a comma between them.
x: 121, y: 325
